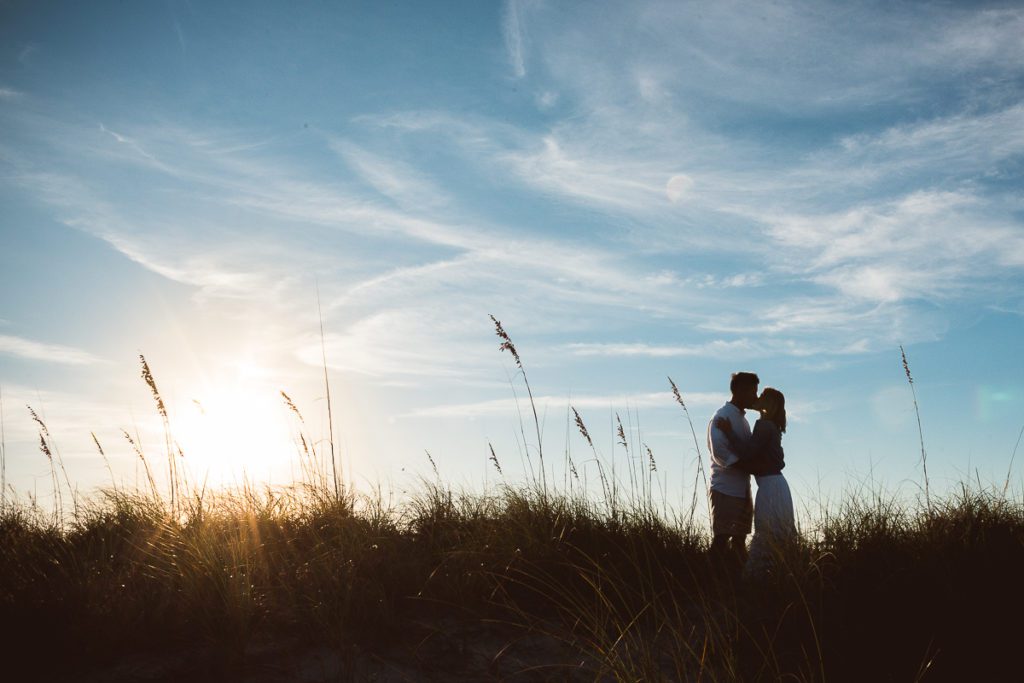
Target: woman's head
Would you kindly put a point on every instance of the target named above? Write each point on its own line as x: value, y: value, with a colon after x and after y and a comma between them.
x: 772, y: 405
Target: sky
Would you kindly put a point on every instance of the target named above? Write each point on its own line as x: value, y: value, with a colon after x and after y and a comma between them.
x: 637, y: 191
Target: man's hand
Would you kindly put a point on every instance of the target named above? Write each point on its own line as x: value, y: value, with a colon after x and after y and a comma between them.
x: 723, y: 424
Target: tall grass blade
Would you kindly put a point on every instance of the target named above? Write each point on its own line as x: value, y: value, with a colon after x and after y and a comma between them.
x: 920, y: 432
x: 327, y: 389
x: 1009, y: 467
x: 700, y: 458
x: 507, y: 345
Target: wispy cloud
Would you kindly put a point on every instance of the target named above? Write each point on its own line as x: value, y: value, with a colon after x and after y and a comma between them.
x: 402, y: 342
x: 178, y: 32
x: 514, y: 37
x: 894, y: 214
x: 889, y: 250
x: 584, y: 402
x: 133, y: 145
x: 40, y: 351
x: 913, y: 247
x: 408, y: 187
x: 769, y: 343
x: 552, y: 168
x: 962, y: 138
x: 717, y: 348
x: 418, y: 253
x: 666, y: 165
x: 26, y: 53
x: 154, y: 249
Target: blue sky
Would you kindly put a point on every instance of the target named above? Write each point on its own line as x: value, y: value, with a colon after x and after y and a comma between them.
x: 636, y: 190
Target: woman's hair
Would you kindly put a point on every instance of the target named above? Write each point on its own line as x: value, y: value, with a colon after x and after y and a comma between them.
x: 774, y: 406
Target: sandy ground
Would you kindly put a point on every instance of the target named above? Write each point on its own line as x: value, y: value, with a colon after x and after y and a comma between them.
x: 457, y: 650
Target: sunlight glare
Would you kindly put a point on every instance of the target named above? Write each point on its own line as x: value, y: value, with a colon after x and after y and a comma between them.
x: 236, y: 433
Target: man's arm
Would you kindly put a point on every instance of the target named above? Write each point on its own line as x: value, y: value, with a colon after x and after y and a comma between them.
x: 721, y: 450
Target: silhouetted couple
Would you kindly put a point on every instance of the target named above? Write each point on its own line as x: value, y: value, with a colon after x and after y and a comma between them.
x: 736, y: 453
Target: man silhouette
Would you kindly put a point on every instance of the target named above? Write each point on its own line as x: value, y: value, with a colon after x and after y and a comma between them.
x: 732, y: 507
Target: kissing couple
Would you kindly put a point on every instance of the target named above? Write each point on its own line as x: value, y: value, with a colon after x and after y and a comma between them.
x: 736, y: 454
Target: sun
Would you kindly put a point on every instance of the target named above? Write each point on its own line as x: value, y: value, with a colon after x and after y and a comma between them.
x: 236, y: 432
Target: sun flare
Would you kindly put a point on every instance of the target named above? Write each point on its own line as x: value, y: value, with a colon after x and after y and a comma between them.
x: 236, y: 433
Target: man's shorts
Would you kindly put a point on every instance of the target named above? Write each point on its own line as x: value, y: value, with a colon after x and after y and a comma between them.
x: 730, y: 515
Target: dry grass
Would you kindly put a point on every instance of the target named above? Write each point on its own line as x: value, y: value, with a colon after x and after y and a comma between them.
x: 880, y: 589
x: 633, y: 594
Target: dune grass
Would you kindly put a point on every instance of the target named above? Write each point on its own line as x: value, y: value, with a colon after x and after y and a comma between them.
x: 880, y: 593
x: 617, y: 589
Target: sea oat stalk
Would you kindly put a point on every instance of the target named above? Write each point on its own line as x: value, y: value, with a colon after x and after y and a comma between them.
x: 433, y: 465
x: 1013, y: 455
x: 145, y: 464
x: 106, y: 461
x: 327, y: 388
x: 172, y: 465
x: 590, y: 442
x: 494, y: 459
x: 53, y: 453
x: 700, y: 458
x: 920, y: 432
x: 507, y: 345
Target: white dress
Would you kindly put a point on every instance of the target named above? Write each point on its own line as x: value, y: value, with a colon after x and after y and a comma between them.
x: 774, y: 520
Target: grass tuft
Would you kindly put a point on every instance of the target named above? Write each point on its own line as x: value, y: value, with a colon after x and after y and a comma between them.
x: 633, y: 595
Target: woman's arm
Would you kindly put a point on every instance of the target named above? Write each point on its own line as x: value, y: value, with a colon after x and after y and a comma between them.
x: 745, y: 449
x: 756, y: 465
x: 768, y: 459
x: 759, y: 454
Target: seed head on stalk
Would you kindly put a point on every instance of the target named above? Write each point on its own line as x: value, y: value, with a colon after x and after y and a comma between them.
x: 432, y: 464
x: 582, y: 427
x: 506, y: 342
x: 147, y: 376
x: 920, y: 432
x: 494, y: 459
x: 507, y: 345
x: 291, y: 406
x: 696, y: 444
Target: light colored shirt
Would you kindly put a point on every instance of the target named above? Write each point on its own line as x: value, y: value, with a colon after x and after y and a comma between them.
x: 726, y: 479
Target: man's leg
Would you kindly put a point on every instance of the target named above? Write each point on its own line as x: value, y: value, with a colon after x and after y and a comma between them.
x: 739, y: 541
x: 721, y: 556
x: 720, y: 545
x: 720, y: 541
x: 739, y: 549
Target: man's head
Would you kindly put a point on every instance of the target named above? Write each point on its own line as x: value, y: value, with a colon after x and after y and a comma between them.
x: 744, y: 389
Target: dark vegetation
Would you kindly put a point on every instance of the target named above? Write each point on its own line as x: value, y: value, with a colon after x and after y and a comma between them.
x: 524, y: 583
x: 875, y: 593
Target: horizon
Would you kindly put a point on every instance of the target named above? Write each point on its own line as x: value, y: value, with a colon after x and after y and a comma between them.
x: 636, y: 192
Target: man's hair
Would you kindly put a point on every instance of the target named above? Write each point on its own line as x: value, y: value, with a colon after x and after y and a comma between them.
x: 743, y: 379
